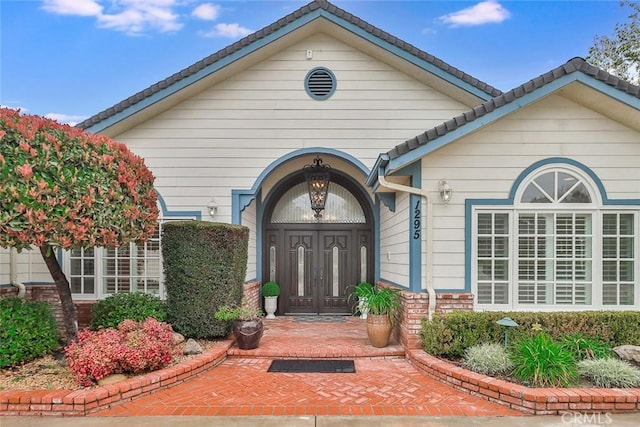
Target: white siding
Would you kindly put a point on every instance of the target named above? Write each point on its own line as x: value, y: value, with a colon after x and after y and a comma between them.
x: 394, y: 245
x: 224, y: 137
x: 4, y: 266
x: 30, y: 267
x: 486, y: 164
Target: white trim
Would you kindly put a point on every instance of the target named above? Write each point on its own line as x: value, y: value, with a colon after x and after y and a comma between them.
x: 596, y: 209
x: 99, y: 267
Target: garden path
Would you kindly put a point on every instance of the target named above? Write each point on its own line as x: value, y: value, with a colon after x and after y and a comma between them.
x: 384, y: 383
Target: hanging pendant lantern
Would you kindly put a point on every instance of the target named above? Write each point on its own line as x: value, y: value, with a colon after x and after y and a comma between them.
x: 317, y: 176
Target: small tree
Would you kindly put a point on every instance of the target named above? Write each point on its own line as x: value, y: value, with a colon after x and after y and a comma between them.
x: 63, y: 188
x: 620, y: 54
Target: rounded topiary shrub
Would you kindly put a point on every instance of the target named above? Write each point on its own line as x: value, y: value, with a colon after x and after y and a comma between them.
x: 205, y: 266
x: 27, y: 330
x: 137, y: 306
x: 270, y: 289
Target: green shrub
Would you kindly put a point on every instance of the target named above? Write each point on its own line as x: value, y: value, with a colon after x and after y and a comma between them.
x: 138, y: 306
x: 27, y: 330
x: 487, y: 358
x: 244, y: 311
x: 582, y: 347
x: 610, y: 373
x: 270, y: 289
x: 205, y: 266
x: 451, y: 334
x: 543, y: 363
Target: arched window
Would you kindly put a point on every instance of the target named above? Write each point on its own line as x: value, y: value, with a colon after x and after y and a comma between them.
x: 341, y: 207
x: 556, y: 186
x: 556, y: 246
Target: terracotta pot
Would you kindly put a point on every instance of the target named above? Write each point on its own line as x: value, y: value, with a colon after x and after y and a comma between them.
x: 379, y: 329
x: 247, y: 333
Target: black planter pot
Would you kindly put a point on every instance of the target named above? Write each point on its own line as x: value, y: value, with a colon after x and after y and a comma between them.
x: 247, y: 333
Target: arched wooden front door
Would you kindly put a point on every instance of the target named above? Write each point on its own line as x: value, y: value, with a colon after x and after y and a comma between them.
x: 316, y: 262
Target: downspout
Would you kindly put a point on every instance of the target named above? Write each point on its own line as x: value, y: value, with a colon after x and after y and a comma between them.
x: 428, y: 230
x: 13, y: 273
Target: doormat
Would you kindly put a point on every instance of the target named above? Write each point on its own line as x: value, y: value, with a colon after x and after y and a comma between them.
x: 320, y: 319
x: 312, y: 365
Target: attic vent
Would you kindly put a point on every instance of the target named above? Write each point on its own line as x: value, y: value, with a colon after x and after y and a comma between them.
x: 320, y: 83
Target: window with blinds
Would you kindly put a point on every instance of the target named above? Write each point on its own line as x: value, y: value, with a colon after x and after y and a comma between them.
x: 95, y: 273
x: 555, y: 246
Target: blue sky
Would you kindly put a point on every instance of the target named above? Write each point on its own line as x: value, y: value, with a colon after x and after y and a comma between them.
x: 70, y: 59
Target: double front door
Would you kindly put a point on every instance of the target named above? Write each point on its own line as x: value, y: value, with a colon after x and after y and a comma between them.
x: 317, y: 269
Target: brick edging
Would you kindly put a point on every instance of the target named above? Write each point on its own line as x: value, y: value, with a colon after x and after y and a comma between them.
x: 84, y: 401
x: 536, y: 401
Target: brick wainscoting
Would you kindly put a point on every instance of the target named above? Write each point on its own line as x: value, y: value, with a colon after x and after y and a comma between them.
x: 251, y: 292
x: 415, y: 307
x: 49, y: 293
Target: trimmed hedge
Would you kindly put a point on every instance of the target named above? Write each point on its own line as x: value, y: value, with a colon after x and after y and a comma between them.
x: 205, y: 265
x: 138, y: 306
x: 451, y: 334
x: 27, y: 330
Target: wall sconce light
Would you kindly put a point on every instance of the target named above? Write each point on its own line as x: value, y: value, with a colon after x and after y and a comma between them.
x: 445, y: 191
x: 317, y: 177
x: 212, y: 207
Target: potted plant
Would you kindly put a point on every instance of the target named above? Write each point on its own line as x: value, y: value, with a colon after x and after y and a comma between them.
x: 383, y: 308
x: 247, y: 323
x: 270, y: 292
x: 360, y: 294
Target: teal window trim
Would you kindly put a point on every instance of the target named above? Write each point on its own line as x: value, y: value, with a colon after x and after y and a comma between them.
x: 470, y: 204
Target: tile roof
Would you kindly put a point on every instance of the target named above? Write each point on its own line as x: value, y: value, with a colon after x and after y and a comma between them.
x: 237, y: 46
x: 571, y: 66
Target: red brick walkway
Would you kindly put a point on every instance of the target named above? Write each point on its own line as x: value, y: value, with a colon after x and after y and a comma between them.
x: 384, y: 382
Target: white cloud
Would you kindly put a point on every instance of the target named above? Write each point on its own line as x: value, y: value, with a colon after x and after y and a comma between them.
x: 486, y: 12
x: 65, y: 118
x: 137, y: 16
x: 129, y: 16
x: 206, y: 12
x: 73, y: 7
x: 232, y: 31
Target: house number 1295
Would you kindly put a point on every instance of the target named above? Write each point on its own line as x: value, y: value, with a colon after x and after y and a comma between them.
x: 417, y: 214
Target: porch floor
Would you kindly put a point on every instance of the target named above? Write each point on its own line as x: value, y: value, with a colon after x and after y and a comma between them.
x: 384, y: 383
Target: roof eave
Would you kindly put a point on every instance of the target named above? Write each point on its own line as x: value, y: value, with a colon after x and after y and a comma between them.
x: 106, y: 121
x: 489, y: 112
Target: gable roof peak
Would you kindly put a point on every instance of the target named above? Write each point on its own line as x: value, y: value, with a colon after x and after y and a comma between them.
x: 573, y: 65
x: 166, y: 87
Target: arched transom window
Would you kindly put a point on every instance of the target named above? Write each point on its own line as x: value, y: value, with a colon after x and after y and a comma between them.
x: 556, y: 186
x: 556, y: 246
x: 341, y: 207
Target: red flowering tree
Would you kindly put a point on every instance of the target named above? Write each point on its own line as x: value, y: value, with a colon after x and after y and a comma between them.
x: 63, y: 188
